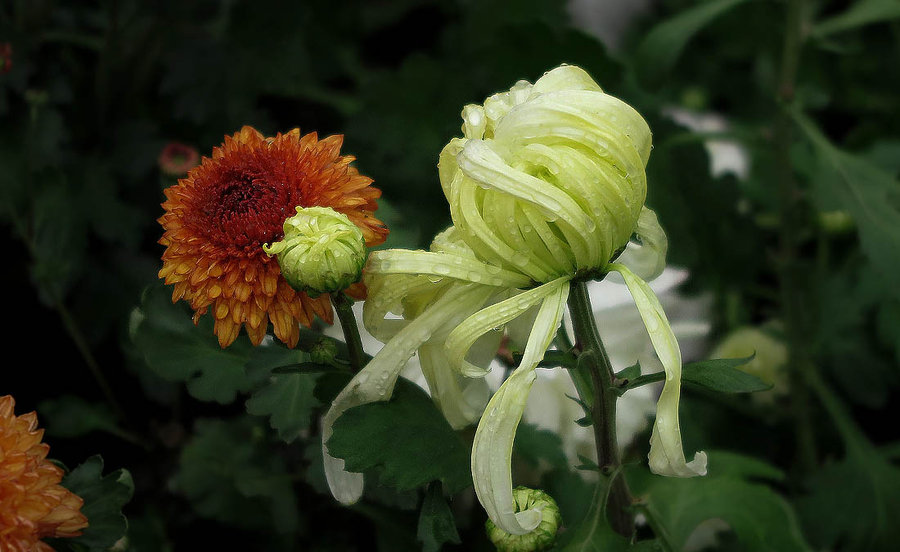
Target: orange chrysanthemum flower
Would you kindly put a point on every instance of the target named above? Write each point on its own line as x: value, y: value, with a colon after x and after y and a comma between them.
x: 33, y: 505
x: 219, y: 216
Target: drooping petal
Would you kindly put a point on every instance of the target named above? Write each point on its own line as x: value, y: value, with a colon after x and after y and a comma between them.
x: 443, y: 265
x: 666, y: 452
x: 461, y: 339
x: 647, y: 257
x: 376, y: 381
x: 460, y: 399
x: 492, y: 448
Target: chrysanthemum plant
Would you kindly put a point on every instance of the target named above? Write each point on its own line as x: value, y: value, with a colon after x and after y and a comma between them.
x: 546, y: 192
x: 546, y: 189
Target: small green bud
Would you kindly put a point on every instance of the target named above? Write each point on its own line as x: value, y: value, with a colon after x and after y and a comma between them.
x: 322, y: 251
x: 836, y: 222
x: 323, y: 351
x: 542, y: 537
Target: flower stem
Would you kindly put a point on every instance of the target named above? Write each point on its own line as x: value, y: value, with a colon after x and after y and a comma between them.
x: 792, y: 274
x: 344, y: 307
x: 594, y: 366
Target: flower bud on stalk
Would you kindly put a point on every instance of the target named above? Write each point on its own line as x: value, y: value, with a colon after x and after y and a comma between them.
x: 322, y: 251
x: 541, y: 537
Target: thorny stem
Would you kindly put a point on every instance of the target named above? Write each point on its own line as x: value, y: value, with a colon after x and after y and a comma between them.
x: 792, y: 211
x: 344, y: 307
x: 602, y: 401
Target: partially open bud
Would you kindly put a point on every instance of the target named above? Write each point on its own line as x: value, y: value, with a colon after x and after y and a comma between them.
x: 542, y: 537
x: 322, y: 251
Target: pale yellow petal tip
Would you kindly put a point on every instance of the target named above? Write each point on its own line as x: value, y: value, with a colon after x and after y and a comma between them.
x: 660, y: 465
x: 346, y: 487
x: 536, y: 525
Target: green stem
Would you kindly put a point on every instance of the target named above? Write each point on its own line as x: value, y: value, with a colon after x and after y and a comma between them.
x: 593, y: 378
x: 344, y: 307
x: 792, y: 276
x: 88, y: 357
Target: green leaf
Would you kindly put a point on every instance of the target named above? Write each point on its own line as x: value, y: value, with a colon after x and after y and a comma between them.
x: 103, y: 498
x: 229, y: 474
x: 871, y: 195
x: 288, y: 400
x: 863, y: 12
x: 594, y: 533
x: 177, y: 350
x: 661, y: 48
x: 761, y: 518
x: 853, y: 504
x: 630, y: 373
x: 406, y: 439
x: 436, y: 523
x: 535, y: 445
x: 723, y: 375
x: 719, y: 374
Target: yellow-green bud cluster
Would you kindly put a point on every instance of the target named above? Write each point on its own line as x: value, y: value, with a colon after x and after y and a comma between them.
x: 542, y: 537
x: 322, y: 251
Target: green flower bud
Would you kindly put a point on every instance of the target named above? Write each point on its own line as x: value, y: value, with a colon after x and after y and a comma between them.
x: 542, y: 537
x: 322, y: 251
x: 323, y: 351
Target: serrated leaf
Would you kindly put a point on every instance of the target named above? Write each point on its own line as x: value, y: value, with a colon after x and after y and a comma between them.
x: 228, y: 473
x: 436, y: 523
x: 864, y: 12
x: 406, y: 440
x: 176, y: 350
x: 662, y: 46
x: 288, y: 400
x: 761, y: 518
x: 104, y: 497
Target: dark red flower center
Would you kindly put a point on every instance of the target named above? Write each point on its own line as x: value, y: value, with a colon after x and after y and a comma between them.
x: 243, y: 209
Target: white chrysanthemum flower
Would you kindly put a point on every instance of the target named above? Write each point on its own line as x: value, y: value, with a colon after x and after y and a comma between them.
x: 547, y: 186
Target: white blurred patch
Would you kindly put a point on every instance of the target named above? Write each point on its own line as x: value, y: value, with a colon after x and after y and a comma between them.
x: 725, y: 156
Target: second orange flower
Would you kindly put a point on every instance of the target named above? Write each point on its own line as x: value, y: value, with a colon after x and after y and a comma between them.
x: 219, y: 216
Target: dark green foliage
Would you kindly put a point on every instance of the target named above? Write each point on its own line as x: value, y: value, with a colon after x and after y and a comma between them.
x: 228, y: 473
x: 96, y: 90
x: 406, y: 440
x: 436, y: 523
x: 177, y: 350
x: 104, y: 497
x: 761, y: 518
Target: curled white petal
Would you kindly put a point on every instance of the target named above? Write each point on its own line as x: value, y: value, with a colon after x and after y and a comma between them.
x: 463, y: 336
x: 666, y: 453
x: 492, y: 448
x: 376, y: 381
x: 460, y: 399
x: 442, y: 265
x: 647, y: 257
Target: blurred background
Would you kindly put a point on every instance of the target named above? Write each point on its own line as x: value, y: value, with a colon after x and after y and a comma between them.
x: 785, y: 223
